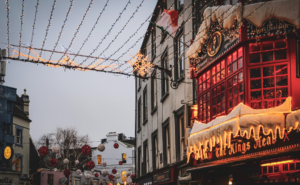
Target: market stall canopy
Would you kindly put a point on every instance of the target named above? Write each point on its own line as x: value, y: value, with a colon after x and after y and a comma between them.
x: 228, y: 15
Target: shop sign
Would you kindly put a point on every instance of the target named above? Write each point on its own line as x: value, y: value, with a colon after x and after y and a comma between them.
x: 161, y: 177
x: 7, y: 152
x: 6, y: 181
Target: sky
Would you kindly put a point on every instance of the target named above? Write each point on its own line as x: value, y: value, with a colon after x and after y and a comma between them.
x: 94, y: 103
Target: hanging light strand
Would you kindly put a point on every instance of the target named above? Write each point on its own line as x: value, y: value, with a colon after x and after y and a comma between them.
x: 77, y: 30
x: 21, y: 28
x: 7, y: 26
x: 138, y: 7
x: 62, y: 28
x: 112, y: 26
x: 87, y: 38
x: 48, y: 27
x: 34, y: 22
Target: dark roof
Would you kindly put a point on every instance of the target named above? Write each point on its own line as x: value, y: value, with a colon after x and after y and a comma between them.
x: 20, y: 113
x: 128, y: 142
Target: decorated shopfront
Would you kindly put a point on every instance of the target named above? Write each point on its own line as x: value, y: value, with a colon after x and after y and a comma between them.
x: 246, y: 61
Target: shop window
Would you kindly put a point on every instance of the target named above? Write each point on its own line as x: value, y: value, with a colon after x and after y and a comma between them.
x: 235, y: 61
x: 276, y: 168
x: 267, y: 51
x: 218, y: 100
x: 292, y: 166
x: 218, y: 72
x: 50, y: 179
x: 264, y: 170
x: 285, y: 167
x: 298, y: 166
x: 268, y: 86
x: 270, y: 169
x: 235, y: 90
x: 99, y: 159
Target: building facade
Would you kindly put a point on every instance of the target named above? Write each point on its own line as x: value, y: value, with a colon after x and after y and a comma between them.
x: 245, y: 59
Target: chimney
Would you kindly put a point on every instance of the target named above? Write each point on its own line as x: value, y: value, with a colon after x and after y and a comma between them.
x: 26, y: 101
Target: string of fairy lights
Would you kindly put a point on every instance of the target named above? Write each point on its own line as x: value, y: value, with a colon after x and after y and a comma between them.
x: 33, y: 26
x: 7, y: 25
x: 62, y: 28
x: 48, y: 26
x: 21, y: 27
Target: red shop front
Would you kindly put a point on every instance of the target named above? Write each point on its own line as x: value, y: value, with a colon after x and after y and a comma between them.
x: 248, y: 76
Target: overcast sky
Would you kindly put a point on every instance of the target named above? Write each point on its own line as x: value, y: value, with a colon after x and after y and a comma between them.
x: 94, y: 103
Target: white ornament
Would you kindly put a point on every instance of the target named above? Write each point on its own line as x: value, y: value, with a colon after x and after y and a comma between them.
x: 101, y: 147
x: 88, y: 175
x: 78, y: 172
x: 103, y: 164
x: 66, y: 161
x: 92, y: 170
x: 117, y: 176
x: 104, y: 173
x: 76, y: 162
x: 55, y: 150
x: 129, y: 169
x: 55, y: 169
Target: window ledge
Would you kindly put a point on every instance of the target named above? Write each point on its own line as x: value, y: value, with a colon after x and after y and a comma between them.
x: 139, y: 129
x: 20, y: 145
x: 145, y: 121
x: 153, y: 110
x: 164, y: 97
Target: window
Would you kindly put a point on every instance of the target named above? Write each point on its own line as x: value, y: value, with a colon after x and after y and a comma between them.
x: 124, y: 157
x: 218, y: 91
x: 95, y: 182
x: 145, y: 105
x: 179, y: 56
x: 164, y: 76
x: 139, y: 114
x: 77, y: 181
x: 179, y: 133
x: 139, y: 162
x: 19, y: 135
x: 154, y: 150
x: 18, y: 164
x: 9, y: 107
x: 153, y: 45
x: 166, y: 143
x: 153, y: 92
x: 99, y: 159
x: 182, y: 136
x: 179, y: 4
x: 50, y: 179
x: 145, y: 157
x: 195, y: 91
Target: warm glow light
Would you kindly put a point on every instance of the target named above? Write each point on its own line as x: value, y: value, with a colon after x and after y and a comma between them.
x: 141, y: 64
x: 280, y: 162
x: 7, y: 152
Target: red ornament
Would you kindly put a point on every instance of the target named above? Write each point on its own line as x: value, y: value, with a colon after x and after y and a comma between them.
x: 114, y: 171
x: 43, y: 151
x: 86, y: 150
x: 111, y: 177
x: 96, y: 174
x: 120, y: 162
x: 90, y: 164
x: 132, y: 176
x: 116, y: 145
x: 67, y: 172
x: 53, y: 162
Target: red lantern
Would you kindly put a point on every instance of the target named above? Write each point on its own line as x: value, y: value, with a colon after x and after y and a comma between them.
x: 53, y: 162
x: 116, y: 145
x: 111, y: 177
x: 114, y: 171
x: 90, y: 164
x: 43, y: 151
x: 96, y: 174
x: 67, y: 172
x: 120, y: 162
x: 132, y: 176
x: 86, y: 150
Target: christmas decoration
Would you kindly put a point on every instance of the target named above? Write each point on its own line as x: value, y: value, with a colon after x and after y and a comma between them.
x: 132, y: 176
x: 88, y: 175
x: 141, y: 64
x: 129, y: 169
x: 63, y: 180
x: 53, y: 162
x: 101, y: 147
x: 77, y: 162
x: 111, y: 177
x: 120, y: 162
x: 78, y: 172
x: 168, y: 22
x: 67, y: 172
x: 43, y: 151
x: 103, y: 164
x: 66, y: 161
x: 55, y: 150
x: 96, y: 174
x: 114, y: 171
x: 86, y: 150
x: 116, y: 145
x: 104, y: 173
x: 55, y: 169
x: 92, y: 170
x: 90, y: 164
x: 128, y: 174
x: 117, y: 176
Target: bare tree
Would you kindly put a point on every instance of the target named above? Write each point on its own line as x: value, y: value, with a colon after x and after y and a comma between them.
x: 69, y: 143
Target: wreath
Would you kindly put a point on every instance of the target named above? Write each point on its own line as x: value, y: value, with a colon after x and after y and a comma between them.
x: 67, y: 172
x: 96, y: 174
x: 43, y: 151
x: 114, y: 171
x: 53, y: 162
x: 111, y: 177
x: 116, y: 145
x: 120, y: 162
x: 90, y: 164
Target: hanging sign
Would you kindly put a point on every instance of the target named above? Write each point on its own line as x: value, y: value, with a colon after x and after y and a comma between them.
x: 7, y: 152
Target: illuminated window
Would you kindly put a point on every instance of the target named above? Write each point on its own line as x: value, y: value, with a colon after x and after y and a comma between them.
x: 285, y: 167
x: 276, y: 168
x: 77, y: 181
x: 235, y: 90
x: 292, y: 166
x: 298, y: 166
x: 99, y: 159
x: 124, y: 157
x: 19, y: 164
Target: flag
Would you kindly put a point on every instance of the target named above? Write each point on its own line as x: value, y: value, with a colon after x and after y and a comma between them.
x: 168, y: 22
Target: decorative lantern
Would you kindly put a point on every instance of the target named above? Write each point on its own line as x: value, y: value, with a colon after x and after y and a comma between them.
x: 124, y: 176
x: 96, y: 174
x: 111, y: 177
x: 90, y: 164
x: 132, y: 176
x: 103, y: 164
x: 117, y: 176
x: 43, y: 151
x: 76, y: 162
x: 66, y: 161
x: 104, y: 173
x: 55, y: 150
x: 114, y: 171
x: 67, y: 172
x: 116, y: 145
x: 101, y: 147
x: 86, y: 150
x: 78, y: 172
x: 120, y: 162
x: 53, y: 162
